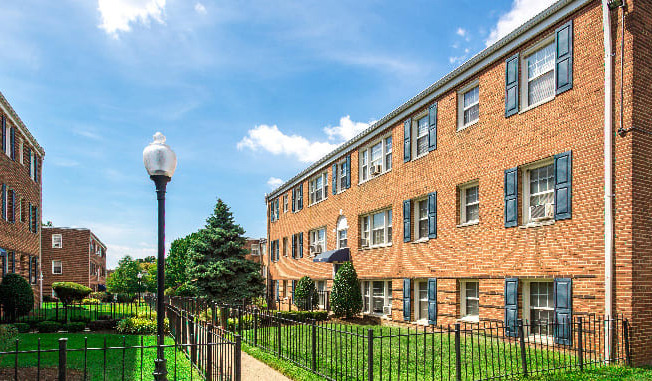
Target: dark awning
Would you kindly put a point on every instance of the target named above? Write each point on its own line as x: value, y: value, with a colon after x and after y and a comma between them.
x: 339, y: 255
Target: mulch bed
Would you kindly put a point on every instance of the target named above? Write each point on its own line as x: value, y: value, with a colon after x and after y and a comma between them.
x: 358, y: 320
x: 46, y: 374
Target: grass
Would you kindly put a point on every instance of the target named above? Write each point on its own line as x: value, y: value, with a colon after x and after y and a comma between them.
x: 117, y: 360
x: 606, y: 373
x: 56, y: 311
x: 284, y: 367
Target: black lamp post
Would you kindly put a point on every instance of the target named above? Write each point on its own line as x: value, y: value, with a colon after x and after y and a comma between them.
x: 160, y: 162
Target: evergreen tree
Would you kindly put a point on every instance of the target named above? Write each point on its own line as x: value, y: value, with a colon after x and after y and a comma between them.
x: 305, y: 294
x: 346, y: 297
x: 217, y: 264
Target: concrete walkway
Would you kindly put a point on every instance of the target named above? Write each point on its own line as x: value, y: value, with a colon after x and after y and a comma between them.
x: 254, y: 370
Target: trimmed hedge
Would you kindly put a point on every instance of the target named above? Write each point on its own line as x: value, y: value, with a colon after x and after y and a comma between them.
x: 74, y: 327
x: 346, y: 296
x: 48, y: 326
x: 16, y: 296
x: 141, y: 326
x: 69, y: 292
x: 102, y: 325
x: 305, y: 294
x: 88, y: 301
x: 301, y: 316
x: 82, y: 319
x: 22, y: 327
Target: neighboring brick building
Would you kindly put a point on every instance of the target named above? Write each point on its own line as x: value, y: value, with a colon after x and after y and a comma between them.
x: 72, y: 255
x: 21, y: 160
x: 482, y: 197
x: 257, y: 248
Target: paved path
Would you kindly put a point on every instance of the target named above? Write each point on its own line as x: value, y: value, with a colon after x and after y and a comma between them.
x: 254, y: 370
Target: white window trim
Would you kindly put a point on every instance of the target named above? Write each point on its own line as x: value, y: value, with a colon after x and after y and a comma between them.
x: 525, y: 312
x: 460, y: 105
x: 61, y: 266
x: 415, y: 132
x: 417, y: 220
x: 8, y: 141
x: 463, y: 315
x: 324, y: 188
x: 60, y: 241
x: 340, y: 176
x: 388, y: 223
x: 285, y: 203
x: 463, y: 188
x: 21, y: 146
x: 526, y: 192
x: 524, y: 80
x: 311, y: 242
x: 367, y: 148
x: 421, y: 320
x: 387, y: 296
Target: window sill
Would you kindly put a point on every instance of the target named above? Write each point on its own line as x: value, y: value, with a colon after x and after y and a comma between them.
x: 375, y: 247
x: 470, y: 223
x: 421, y: 240
x: 460, y: 128
x: 538, y: 224
x: 469, y: 319
x: 374, y: 177
x: 420, y: 156
x: 530, y: 107
x: 382, y: 316
x: 318, y: 202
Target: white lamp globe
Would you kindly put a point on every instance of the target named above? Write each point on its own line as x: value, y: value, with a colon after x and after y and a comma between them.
x: 158, y: 157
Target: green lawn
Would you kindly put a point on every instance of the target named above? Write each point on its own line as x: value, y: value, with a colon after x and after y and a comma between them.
x: 607, y: 373
x: 56, y: 311
x: 95, y: 360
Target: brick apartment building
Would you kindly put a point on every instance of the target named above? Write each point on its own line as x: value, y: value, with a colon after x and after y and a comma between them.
x: 257, y: 248
x: 20, y: 186
x: 482, y: 198
x: 72, y: 255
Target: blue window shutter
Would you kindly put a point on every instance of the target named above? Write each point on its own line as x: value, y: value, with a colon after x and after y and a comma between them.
x: 432, y: 301
x: 334, y: 180
x: 348, y: 171
x: 4, y: 134
x: 13, y: 261
x: 293, y: 285
x: 432, y: 127
x: 407, y: 309
x: 12, y: 141
x: 563, y: 310
x: 511, y: 86
x: 301, y: 245
x: 511, y: 307
x: 4, y: 202
x: 277, y: 209
x: 37, y: 222
x: 563, y: 185
x: 30, y: 269
x: 277, y: 287
x: 407, y: 127
x: 511, y: 197
x: 407, y: 226
x: 294, y: 246
x: 36, y: 168
x: 13, y: 207
x: 564, y: 57
x: 432, y: 215
x: 278, y: 249
x: 30, y: 216
x: 294, y: 199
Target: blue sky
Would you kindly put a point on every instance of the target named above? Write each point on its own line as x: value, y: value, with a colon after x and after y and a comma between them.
x: 247, y: 92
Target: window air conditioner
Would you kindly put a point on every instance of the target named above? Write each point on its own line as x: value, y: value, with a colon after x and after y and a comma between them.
x: 542, y: 212
x: 364, y: 242
x: 315, y: 249
x: 376, y: 169
x: 387, y: 310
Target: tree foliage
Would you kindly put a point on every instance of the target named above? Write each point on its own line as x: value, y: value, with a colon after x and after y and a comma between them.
x: 176, y: 264
x: 218, y: 267
x: 70, y: 292
x: 346, y: 297
x: 124, y: 279
x: 16, y: 296
x: 305, y: 294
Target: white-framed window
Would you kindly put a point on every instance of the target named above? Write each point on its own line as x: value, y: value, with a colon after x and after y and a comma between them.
x: 342, y: 232
x: 285, y: 246
x: 8, y: 141
x: 470, y: 300
x: 263, y: 248
x: 539, y: 191
x: 538, y: 73
x: 375, y: 159
x: 470, y: 203
x: 421, y: 311
x: 538, y: 306
x: 469, y: 105
x: 318, y: 188
x: 57, y: 267
x: 376, y: 228
x: 317, y: 240
x: 285, y: 203
x: 377, y: 297
x: 255, y: 249
x: 421, y: 218
x: 33, y: 169
x: 57, y: 241
x: 321, y: 291
x: 421, y: 133
x: 341, y: 175
x: 20, y: 152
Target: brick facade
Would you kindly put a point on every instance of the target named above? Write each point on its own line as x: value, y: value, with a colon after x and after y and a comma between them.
x: 21, y: 194
x: 488, y: 252
x: 82, y: 256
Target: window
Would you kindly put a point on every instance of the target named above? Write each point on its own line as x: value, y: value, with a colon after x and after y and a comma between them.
x: 20, y: 151
x: 376, y: 159
x: 539, y: 74
x: 297, y: 198
x: 57, y: 267
x: 470, y: 204
x: 285, y: 246
x: 342, y: 174
x: 318, y: 188
x: 470, y: 300
x: 57, y: 241
x: 285, y: 203
x: 377, y: 297
x: 255, y: 249
x: 33, y: 168
x: 19, y: 209
x: 469, y: 106
x: 376, y: 228
x: 285, y: 289
x: 421, y: 226
x: 8, y: 141
x: 422, y: 136
x: 321, y: 291
x: 541, y: 312
x: 342, y: 231
x: 317, y: 241
x: 539, y: 191
x: 422, y: 306
x: 12, y: 262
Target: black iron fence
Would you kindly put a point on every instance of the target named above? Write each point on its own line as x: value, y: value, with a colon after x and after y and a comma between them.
x: 56, y: 311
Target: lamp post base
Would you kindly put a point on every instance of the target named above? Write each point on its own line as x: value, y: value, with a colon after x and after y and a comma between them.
x: 160, y: 371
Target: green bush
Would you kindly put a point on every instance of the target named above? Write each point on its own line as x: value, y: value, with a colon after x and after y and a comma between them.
x: 89, y: 301
x: 80, y: 319
x: 301, y: 316
x: 126, y: 298
x: 8, y: 335
x: 69, y: 292
x: 32, y: 321
x: 22, y: 327
x: 16, y: 296
x: 247, y: 323
x: 260, y: 302
x: 140, y: 326
x: 48, y: 326
x: 346, y: 297
x: 49, y: 299
x: 305, y: 294
x: 99, y: 295
x: 74, y: 327
x: 184, y: 289
x: 102, y: 325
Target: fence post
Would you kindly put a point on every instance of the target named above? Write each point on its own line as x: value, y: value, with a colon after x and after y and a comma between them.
x: 370, y: 354
x: 628, y: 355
x: 314, y: 346
x: 521, y: 337
x: 278, y: 335
x: 63, y: 343
x: 209, y: 353
x: 239, y: 320
x: 458, y: 354
x: 256, y: 327
x: 237, y: 361
x: 193, y: 347
x: 580, y: 344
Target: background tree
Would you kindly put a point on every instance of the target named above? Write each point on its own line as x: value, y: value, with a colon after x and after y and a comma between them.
x: 124, y: 279
x: 346, y: 297
x: 16, y: 296
x: 305, y: 294
x: 176, y: 263
x: 218, y: 267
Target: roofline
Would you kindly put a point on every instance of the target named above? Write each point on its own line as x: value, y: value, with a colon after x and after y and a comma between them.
x: 78, y: 229
x: 4, y: 103
x: 468, y: 69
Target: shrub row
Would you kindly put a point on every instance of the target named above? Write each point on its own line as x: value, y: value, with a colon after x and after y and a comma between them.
x: 301, y: 316
x: 140, y: 325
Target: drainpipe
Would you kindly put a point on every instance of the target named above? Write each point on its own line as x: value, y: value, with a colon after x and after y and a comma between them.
x: 608, y: 178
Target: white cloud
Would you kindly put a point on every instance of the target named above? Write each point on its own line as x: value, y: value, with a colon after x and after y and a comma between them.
x: 115, y: 253
x: 200, y: 8
x: 271, y: 139
x: 521, y: 12
x: 461, y: 32
x: 117, y: 15
x: 274, y: 182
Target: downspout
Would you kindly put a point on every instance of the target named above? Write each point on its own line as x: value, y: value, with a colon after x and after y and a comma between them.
x: 608, y: 179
